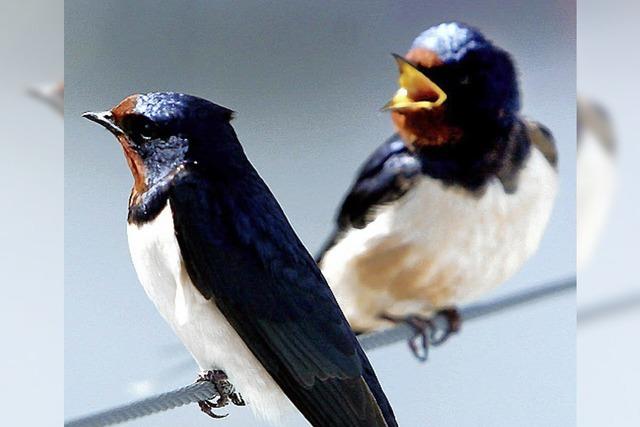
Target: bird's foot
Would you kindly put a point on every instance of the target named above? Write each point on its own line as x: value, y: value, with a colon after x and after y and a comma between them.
x: 207, y: 407
x: 420, y: 342
x: 429, y: 332
x: 226, y: 393
x: 453, y: 324
x: 236, y: 399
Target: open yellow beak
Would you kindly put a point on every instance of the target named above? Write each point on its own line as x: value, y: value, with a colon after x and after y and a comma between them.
x: 416, y: 91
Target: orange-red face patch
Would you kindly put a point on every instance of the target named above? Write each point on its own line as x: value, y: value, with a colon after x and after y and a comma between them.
x: 124, y: 108
x: 424, y: 127
x: 136, y: 165
x: 424, y: 57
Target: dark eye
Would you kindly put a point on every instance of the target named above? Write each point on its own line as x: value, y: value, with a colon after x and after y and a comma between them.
x: 141, y: 127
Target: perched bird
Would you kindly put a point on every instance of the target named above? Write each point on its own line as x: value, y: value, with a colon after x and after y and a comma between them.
x: 455, y: 202
x: 217, y: 256
x: 596, y: 176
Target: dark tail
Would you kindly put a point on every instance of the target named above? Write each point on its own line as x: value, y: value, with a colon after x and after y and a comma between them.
x: 371, y: 379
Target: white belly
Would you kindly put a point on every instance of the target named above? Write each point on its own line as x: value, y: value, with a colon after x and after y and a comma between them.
x: 439, y: 246
x: 594, y: 193
x: 205, y: 332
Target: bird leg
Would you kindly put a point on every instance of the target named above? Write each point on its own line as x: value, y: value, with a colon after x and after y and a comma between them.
x: 427, y: 332
x: 225, y: 389
x: 421, y: 340
x: 453, y: 325
x: 207, y: 407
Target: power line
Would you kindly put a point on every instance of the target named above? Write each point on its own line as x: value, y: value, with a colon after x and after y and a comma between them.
x: 162, y: 402
x: 619, y: 305
x: 206, y: 391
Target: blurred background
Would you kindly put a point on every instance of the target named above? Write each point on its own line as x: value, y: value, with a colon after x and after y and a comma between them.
x: 307, y: 80
x: 31, y: 184
x: 608, y: 345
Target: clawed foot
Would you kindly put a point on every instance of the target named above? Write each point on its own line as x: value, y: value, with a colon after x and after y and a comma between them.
x: 428, y: 332
x: 226, y: 393
x: 237, y: 399
x: 207, y: 407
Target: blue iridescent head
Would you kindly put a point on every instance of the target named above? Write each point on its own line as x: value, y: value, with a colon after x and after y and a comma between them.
x: 160, y: 131
x: 452, y: 81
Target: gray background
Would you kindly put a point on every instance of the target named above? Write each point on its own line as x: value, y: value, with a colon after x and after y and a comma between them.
x: 307, y: 80
x: 31, y: 218
x: 609, y: 350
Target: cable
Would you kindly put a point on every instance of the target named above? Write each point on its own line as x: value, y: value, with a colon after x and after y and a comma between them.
x: 403, y: 332
x: 619, y: 305
x: 162, y: 402
x: 205, y: 391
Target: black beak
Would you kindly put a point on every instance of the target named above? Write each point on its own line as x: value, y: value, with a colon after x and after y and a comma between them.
x: 104, y: 118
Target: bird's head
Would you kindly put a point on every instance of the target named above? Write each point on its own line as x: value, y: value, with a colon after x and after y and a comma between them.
x: 161, y: 131
x: 452, y: 80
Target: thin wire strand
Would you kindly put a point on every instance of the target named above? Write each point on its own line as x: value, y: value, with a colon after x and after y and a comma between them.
x: 615, y: 306
x: 183, y: 396
x: 206, y: 391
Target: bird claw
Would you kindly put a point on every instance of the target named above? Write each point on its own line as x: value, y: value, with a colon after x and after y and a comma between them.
x: 207, y: 407
x: 236, y: 399
x: 421, y: 341
x: 226, y: 393
x: 454, y: 323
x: 428, y: 334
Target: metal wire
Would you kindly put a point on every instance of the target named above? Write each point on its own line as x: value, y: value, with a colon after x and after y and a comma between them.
x: 205, y: 391
x: 619, y: 305
x: 192, y: 393
x: 403, y: 332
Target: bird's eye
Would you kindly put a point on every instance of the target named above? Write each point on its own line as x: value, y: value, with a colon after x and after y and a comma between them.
x: 142, y: 128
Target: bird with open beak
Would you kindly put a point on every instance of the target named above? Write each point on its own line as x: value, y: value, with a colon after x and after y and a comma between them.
x: 454, y: 203
x: 218, y: 258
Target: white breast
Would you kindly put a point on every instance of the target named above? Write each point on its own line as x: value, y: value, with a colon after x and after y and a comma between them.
x: 205, y: 332
x: 595, y: 187
x: 439, y: 246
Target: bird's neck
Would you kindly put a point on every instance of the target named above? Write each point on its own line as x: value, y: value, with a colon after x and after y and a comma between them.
x: 423, y: 128
x: 481, y: 153
x: 145, y: 205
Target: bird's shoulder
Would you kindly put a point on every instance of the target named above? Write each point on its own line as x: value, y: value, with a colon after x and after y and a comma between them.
x: 242, y: 215
x: 387, y: 174
x: 541, y: 138
x: 241, y: 253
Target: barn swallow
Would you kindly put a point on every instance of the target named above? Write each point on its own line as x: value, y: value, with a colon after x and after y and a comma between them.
x: 596, y: 175
x: 451, y: 205
x: 218, y: 258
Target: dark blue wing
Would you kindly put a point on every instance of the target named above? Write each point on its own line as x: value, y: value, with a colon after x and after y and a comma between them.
x: 385, y: 177
x: 241, y: 253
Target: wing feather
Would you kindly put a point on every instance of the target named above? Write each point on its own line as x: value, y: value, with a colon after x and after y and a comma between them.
x: 386, y: 176
x: 242, y: 254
